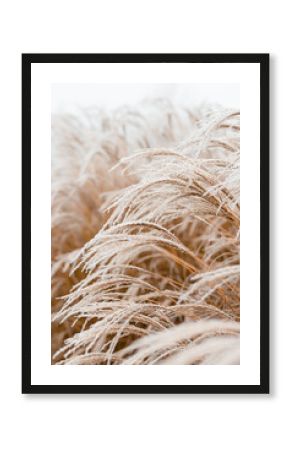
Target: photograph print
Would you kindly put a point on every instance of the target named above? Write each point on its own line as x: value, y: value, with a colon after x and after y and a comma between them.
x: 152, y: 212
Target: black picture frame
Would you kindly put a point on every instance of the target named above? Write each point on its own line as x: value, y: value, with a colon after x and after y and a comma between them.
x: 27, y: 61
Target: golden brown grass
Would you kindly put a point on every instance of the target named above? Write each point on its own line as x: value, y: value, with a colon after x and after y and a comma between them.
x: 145, y: 236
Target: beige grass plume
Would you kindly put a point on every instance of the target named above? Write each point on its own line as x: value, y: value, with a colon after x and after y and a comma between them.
x: 145, y: 236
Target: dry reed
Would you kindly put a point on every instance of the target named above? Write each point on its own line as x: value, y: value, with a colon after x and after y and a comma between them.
x: 145, y: 236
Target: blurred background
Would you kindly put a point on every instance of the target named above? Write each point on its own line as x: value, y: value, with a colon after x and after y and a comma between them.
x: 67, y: 97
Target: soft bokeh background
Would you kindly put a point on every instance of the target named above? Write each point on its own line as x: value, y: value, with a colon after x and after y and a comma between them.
x: 67, y: 97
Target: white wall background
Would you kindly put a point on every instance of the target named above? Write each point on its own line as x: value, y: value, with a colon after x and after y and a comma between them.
x: 202, y: 422
x: 66, y: 97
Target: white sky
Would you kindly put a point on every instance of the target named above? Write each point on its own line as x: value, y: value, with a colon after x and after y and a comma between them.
x: 66, y: 97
